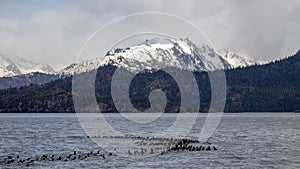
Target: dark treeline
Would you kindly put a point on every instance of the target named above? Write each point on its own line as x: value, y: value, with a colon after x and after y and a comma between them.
x: 273, y: 87
x: 25, y: 80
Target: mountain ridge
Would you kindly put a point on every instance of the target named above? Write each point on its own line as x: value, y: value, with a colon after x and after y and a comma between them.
x: 273, y: 87
x: 237, y: 58
x: 158, y: 53
x: 14, y: 65
x: 152, y: 54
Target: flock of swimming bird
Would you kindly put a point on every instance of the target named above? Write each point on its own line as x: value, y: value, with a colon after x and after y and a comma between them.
x: 10, y: 160
x: 184, y: 144
x: 173, y: 146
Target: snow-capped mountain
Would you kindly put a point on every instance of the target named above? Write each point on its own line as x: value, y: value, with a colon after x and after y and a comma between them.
x: 13, y: 66
x: 237, y: 58
x: 155, y: 54
x: 7, y: 67
x: 26, y: 66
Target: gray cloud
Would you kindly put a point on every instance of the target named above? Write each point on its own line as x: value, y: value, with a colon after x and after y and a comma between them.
x: 54, y: 31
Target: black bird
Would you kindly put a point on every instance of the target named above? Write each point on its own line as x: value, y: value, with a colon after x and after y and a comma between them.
x: 52, y: 158
x: 44, y: 157
x: 72, y: 156
x: 29, y: 163
x: 214, y: 148
x: 84, y: 157
x: 59, y: 158
x: 97, y: 153
x: 103, y: 156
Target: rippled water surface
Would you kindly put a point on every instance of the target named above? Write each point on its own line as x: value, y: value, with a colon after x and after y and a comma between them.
x: 248, y: 140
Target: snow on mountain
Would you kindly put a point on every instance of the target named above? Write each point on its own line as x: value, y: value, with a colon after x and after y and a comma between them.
x: 237, y: 58
x: 156, y: 53
x: 86, y: 66
x: 13, y: 66
x: 27, y: 67
x: 7, y: 67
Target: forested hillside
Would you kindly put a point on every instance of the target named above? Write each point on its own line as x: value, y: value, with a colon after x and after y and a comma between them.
x: 273, y: 87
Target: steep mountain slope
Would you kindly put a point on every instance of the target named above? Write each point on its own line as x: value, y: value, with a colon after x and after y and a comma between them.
x: 237, y: 58
x: 27, y: 67
x: 155, y: 54
x: 7, y: 67
x: 272, y: 87
x: 14, y: 66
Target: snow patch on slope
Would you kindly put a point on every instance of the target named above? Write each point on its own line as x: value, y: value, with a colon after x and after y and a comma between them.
x: 237, y: 58
x: 14, y: 65
x: 156, y: 53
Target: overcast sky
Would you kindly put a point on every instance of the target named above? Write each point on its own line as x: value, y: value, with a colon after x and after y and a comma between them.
x: 53, y: 31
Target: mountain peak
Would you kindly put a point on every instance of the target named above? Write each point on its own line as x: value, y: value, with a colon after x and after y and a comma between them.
x: 155, y: 40
x: 237, y: 57
x: 15, y: 65
x: 157, y: 53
